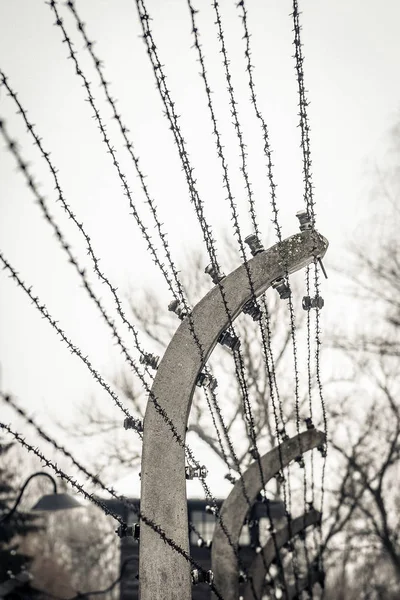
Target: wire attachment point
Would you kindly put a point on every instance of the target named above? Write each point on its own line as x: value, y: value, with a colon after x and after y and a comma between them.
x: 306, y: 222
x: 178, y: 308
x: 151, y: 360
x: 129, y: 531
x: 192, y: 472
x: 229, y: 340
x: 214, y: 273
x: 309, y: 303
x: 254, y: 244
x: 202, y: 577
x: 131, y: 423
x: 251, y: 308
x: 206, y: 380
x: 282, y: 288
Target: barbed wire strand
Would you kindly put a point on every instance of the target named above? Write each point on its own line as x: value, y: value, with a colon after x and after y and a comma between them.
x: 267, y: 152
x: 61, y: 198
x: 169, y: 105
x: 173, y: 119
x: 233, y: 103
x: 239, y: 364
x: 310, y: 205
x: 105, y: 138
x: 12, y: 147
x: 98, y: 65
x: 163, y: 237
x: 95, y: 479
x: 137, y: 424
x: 267, y: 350
x: 181, y: 294
x: 97, y: 502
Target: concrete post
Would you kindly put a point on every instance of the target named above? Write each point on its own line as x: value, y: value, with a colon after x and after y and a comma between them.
x: 257, y: 571
x: 163, y: 573
x: 235, y: 508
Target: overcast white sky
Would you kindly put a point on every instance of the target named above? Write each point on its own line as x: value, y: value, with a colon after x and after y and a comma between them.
x: 351, y: 67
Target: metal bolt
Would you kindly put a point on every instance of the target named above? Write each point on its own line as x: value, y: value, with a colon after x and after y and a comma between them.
x: 253, y: 452
x: 178, y: 308
x: 309, y: 303
x: 129, y: 531
x: 283, y: 434
x: 207, y: 381
x: 305, y: 220
x: 211, y: 510
x: 230, y: 478
x: 202, y: 577
x: 309, y: 423
x: 254, y: 244
x: 251, y: 308
x: 242, y: 576
x: 231, y: 341
x: 215, y: 275
x: 192, y: 472
x: 149, y: 359
x: 322, y: 450
x: 280, y: 477
x: 300, y: 461
x: 131, y: 423
x: 282, y: 288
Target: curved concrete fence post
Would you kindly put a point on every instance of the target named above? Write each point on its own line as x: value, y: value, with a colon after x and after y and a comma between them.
x: 257, y: 571
x: 235, y: 508
x: 164, y: 573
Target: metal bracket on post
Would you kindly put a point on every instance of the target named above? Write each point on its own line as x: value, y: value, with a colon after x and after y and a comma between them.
x: 235, y: 508
x: 257, y: 571
x: 163, y: 572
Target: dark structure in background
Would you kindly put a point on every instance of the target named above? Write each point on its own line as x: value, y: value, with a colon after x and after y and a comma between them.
x: 254, y: 534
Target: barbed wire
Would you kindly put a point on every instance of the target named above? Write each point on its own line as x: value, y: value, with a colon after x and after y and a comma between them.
x: 58, y: 471
x: 266, y: 340
x: 181, y: 293
x: 97, y: 502
x: 106, y: 140
x: 129, y: 145
x: 303, y: 104
x: 173, y: 119
x: 61, y: 198
x: 169, y: 106
x: 98, y: 64
x: 160, y: 410
x: 137, y: 424
x: 44, y: 312
x: 267, y: 147
x: 12, y: 146
x: 310, y: 204
x: 234, y: 112
x: 239, y: 364
x: 95, y: 479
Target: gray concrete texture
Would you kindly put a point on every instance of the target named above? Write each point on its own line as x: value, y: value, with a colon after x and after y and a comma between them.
x: 164, y: 573
x: 224, y: 562
x: 257, y: 571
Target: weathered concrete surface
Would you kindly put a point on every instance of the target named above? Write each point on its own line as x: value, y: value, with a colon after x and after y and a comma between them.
x: 235, y: 508
x: 257, y: 570
x: 164, y: 573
